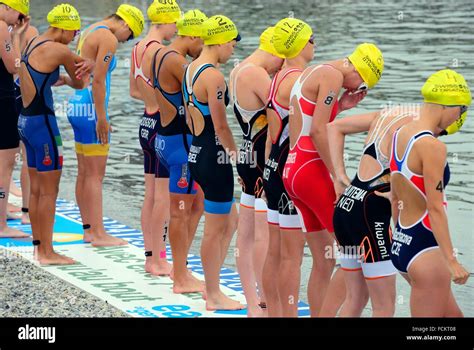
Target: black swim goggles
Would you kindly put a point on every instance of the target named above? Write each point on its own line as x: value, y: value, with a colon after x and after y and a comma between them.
x: 463, y: 110
x: 131, y: 37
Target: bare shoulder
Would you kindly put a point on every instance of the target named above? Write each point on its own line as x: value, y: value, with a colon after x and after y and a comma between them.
x: 104, y: 37
x: 213, y: 75
x: 328, y: 73
x: 431, y: 147
x: 175, y: 58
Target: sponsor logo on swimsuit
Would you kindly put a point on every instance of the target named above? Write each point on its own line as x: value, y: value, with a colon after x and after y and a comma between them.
x: 160, y: 144
x: 193, y: 153
x: 47, y: 159
x: 183, y: 181
x: 37, y: 333
x: 379, y: 230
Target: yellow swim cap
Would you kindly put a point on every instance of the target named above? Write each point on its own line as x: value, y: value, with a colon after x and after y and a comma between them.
x: 448, y: 88
x: 266, y: 42
x: 368, y: 61
x: 133, y: 17
x: 219, y: 30
x: 291, y: 36
x: 191, y: 24
x: 22, y: 6
x: 64, y: 16
x: 164, y: 12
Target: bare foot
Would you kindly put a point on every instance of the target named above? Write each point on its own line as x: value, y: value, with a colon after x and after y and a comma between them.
x: 255, y: 311
x: 35, y: 253
x: 12, y: 208
x: 188, y: 285
x: 148, y: 263
x: 107, y: 240
x: 222, y: 302
x: 9, y: 232
x: 25, y: 219
x: 55, y: 259
x: 162, y: 269
x: 87, y: 237
x: 13, y: 216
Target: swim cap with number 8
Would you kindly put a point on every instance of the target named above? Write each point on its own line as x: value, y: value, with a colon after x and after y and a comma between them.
x: 64, y: 16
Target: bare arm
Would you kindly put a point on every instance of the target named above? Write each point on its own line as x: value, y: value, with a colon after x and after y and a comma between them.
x: 337, y: 131
x: 177, y: 65
x: 30, y: 33
x: 9, y: 48
x: 105, y: 53
x: 216, y: 100
x: 433, y: 155
x: 331, y: 83
x: 70, y: 60
x: 268, y: 145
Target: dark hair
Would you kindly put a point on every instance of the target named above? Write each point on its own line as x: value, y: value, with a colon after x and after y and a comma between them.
x: 115, y: 16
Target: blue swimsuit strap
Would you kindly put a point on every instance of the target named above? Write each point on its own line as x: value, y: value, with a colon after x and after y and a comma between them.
x: 156, y: 82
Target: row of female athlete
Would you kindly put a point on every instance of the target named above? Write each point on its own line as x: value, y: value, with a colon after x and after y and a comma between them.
x: 291, y: 164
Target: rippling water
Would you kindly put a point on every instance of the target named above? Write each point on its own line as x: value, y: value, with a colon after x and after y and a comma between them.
x: 416, y: 37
